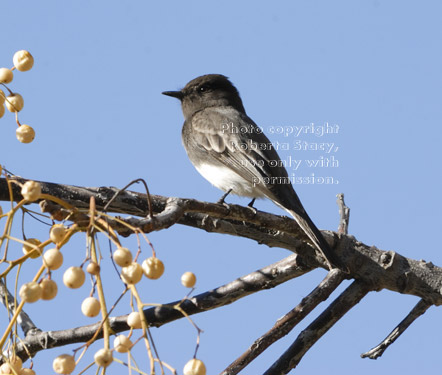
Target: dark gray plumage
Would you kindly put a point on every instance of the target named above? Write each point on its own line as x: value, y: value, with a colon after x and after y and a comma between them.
x: 232, y: 153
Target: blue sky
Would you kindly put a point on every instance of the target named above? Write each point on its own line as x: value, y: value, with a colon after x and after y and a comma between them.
x: 371, y: 67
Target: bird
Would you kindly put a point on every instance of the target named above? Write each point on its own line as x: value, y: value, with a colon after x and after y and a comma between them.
x: 230, y: 151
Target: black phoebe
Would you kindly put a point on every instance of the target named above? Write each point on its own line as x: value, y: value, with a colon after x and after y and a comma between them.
x: 232, y: 152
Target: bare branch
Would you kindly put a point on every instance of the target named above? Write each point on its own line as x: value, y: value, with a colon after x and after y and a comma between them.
x: 265, y: 278
x: 308, y: 337
x: 418, y: 310
x: 8, y: 300
x: 380, y: 269
x: 285, y: 324
x: 344, y: 214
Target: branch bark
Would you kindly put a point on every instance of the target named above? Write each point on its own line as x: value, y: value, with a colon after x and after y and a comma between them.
x: 418, y: 310
x: 376, y: 268
x: 285, y: 324
x: 308, y: 337
x: 265, y: 278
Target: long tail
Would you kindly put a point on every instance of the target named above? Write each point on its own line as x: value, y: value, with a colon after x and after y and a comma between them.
x: 315, y: 235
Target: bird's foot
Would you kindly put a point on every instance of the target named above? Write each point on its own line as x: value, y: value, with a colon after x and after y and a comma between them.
x: 221, y: 200
x: 250, y: 205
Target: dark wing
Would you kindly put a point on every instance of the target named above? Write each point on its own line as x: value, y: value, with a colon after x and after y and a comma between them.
x: 233, y: 139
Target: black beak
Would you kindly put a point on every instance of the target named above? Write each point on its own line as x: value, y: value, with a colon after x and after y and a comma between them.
x: 174, y: 94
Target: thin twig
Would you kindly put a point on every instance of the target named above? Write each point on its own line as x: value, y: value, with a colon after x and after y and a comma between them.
x: 344, y: 214
x: 418, y: 310
x: 149, y: 199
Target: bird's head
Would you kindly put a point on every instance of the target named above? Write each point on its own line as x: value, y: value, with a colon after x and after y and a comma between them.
x: 211, y: 90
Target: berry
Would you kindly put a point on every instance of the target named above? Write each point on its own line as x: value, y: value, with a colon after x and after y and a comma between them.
x: 188, y: 279
x: 25, y: 133
x: 23, y: 60
x: 49, y: 289
x: 57, y: 233
x: 6, y: 75
x: 134, y: 320
x: 74, y: 277
x: 123, y: 257
x: 194, y: 367
x: 131, y: 274
x: 93, y: 268
x: 28, y: 248
x: 90, y: 307
x: 103, y: 357
x: 153, y: 268
x: 122, y: 344
x: 31, y: 191
x: 64, y: 364
x: 30, y: 292
x: 14, y: 102
x: 53, y: 259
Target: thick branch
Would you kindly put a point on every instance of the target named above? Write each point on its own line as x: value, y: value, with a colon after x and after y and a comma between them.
x: 377, y: 268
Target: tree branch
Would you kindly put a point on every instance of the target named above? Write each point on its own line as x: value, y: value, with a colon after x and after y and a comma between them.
x: 265, y: 278
x: 420, y: 308
x: 285, y: 324
x: 380, y: 269
x: 308, y: 337
x: 344, y: 214
x: 8, y: 300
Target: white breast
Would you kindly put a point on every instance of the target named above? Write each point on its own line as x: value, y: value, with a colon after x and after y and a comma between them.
x: 225, y: 179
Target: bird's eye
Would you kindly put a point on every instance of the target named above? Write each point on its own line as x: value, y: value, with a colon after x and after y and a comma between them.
x: 204, y: 88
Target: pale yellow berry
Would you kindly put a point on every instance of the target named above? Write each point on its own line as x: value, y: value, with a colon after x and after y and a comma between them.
x: 14, y: 102
x: 153, y: 268
x: 122, y: 256
x: 31, y: 191
x: 134, y: 320
x: 25, y: 133
x: 194, y: 367
x: 6, y: 75
x: 57, y: 233
x: 103, y: 357
x: 93, y: 268
x: 49, y: 289
x: 122, y: 344
x: 2, y: 97
x: 28, y: 248
x: 23, y: 60
x: 27, y: 371
x: 5, y: 369
x: 30, y: 292
x: 2, y: 109
x: 131, y: 274
x: 188, y: 279
x: 14, y: 364
x: 74, y: 277
x: 90, y: 307
x: 64, y: 364
x: 53, y: 259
